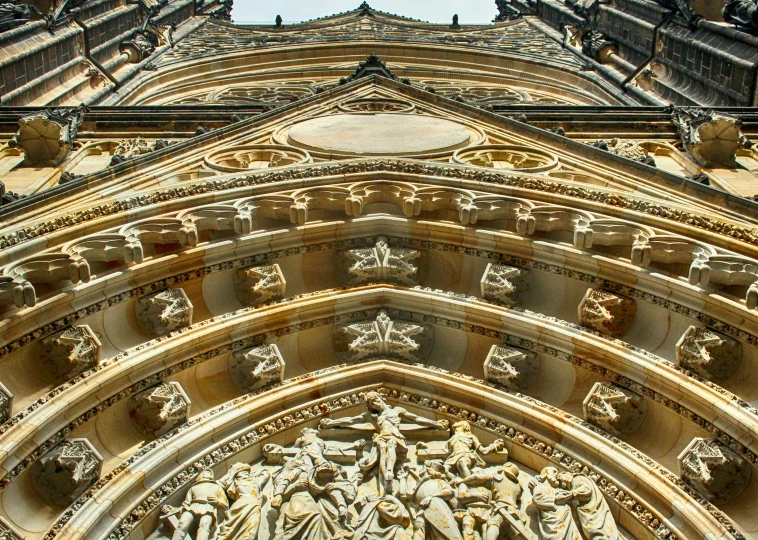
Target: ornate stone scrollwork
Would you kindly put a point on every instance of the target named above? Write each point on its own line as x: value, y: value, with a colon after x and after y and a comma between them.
x: 130, y: 148
x: 383, y: 337
x: 501, y: 282
x: 256, y: 156
x: 615, y: 409
x: 711, y: 138
x: 256, y: 368
x: 66, y: 354
x: 67, y: 470
x: 163, y: 312
x: 259, y: 284
x: 6, y: 406
x: 47, y: 137
x: 521, y: 158
x: 713, y: 470
x: 382, y: 263
x: 608, y: 313
x: 711, y: 355
x: 159, y: 409
x: 512, y: 368
x: 376, y: 105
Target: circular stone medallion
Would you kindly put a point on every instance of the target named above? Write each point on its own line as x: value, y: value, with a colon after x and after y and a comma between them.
x: 378, y: 134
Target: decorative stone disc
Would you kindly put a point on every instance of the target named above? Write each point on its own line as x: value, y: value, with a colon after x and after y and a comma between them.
x: 379, y: 134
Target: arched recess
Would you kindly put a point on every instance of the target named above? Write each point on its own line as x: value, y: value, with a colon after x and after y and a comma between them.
x: 645, y: 500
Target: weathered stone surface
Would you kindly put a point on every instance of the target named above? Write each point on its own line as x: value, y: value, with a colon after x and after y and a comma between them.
x: 259, y: 284
x: 712, y: 139
x: 382, y: 263
x: 608, y: 313
x: 513, y: 368
x: 501, y: 283
x: 7, y: 532
x: 256, y: 368
x: 66, y: 354
x: 67, y: 470
x: 711, y: 355
x: 6, y: 403
x: 163, y: 312
x: 159, y: 409
x: 47, y: 137
x: 715, y: 471
x: 383, y: 337
x: 615, y: 409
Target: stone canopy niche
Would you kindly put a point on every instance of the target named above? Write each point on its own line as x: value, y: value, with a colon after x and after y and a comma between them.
x: 386, y: 471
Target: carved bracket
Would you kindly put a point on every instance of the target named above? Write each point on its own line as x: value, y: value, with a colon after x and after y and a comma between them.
x: 384, y: 337
x: 259, y: 284
x: 6, y: 406
x: 66, y: 354
x: 711, y: 355
x: 614, y: 409
x: 163, y: 312
x: 47, y: 137
x: 256, y: 368
x: 608, y: 313
x: 66, y: 471
x: 713, y: 470
x: 159, y: 409
x: 382, y: 263
x: 501, y: 282
x: 513, y: 368
x: 727, y: 270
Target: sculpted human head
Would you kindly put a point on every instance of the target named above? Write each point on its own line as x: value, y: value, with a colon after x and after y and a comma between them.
x: 551, y: 475
x: 205, y: 476
x: 462, y: 427
x: 375, y: 401
x: 565, y: 479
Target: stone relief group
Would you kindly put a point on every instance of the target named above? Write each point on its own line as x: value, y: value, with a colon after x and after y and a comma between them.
x: 415, y: 479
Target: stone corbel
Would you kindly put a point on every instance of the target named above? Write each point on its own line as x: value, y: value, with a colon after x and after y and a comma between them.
x: 609, y: 313
x: 612, y: 232
x: 727, y: 270
x: 66, y: 471
x: 163, y: 312
x: 106, y: 248
x: 383, y: 337
x: 18, y: 279
x: 256, y: 368
x: 218, y: 217
x: 547, y: 219
x: 259, y: 284
x: 159, y: 409
x: 716, y: 472
x: 614, y: 409
x: 46, y: 137
x: 382, y: 263
x: 510, y: 367
x: 16, y: 291
x: 66, y: 354
x: 711, y: 355
x: 161, y: 231
x: 6, y: 409
x: 501, y: 282
x: 711, y: 138
x: 668, y: 250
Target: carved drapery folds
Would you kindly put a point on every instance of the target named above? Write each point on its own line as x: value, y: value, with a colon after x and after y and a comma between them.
x: 711, y: 138
x: 159, y: 409
x: 615, y: 409
x: 67, y: 470
x: 502, y: 283
x: 163, y: 312
x: 710, y: 354
x: 382, y: 263
x: 383, y: 337
x: 256, y: 368
x: 66, y: 354
x: 259, y: 284
x: 713, y: 470
x: 513, y: 368
x: 46, y: 137
x: 609, y: 313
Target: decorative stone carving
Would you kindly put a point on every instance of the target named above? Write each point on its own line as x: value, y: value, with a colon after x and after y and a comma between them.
x: 713, y: 470
x: 66, y: 471
x: 627, y: 149
x: 6, y: 407
x: 9, y: 533
x: 512, y: 368
x: 500, y: 156
x: 66, y: 354
x: 130, y: 148
x: 608, y: 313
x: 711, y: 355
x: 741, y: 13
x: 373, y: 65
x: 159, y: 409
x: 384, y: 337
x: 256, y: 368
x: 259, y: 284
x: 17, y: 292
x: 726, y: 270
x: 712, y: 139
x: 163, y: 312
x: 615, y: 409
x: 14, y: 14
x: 46, y: 137
x: 382, y: 263
x: 500, y: 282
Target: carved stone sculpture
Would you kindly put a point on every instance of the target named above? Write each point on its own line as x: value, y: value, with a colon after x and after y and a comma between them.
x: 615, y: 409
x: 159, y: 409
x: 373, y: 65
x: 742, y: 13
x: 512, y: 368
x: 46, y: 137
x: 501, y: 282
x: 130, y: 148
x: 715, y: 471
x: 436, y: 520
x: 382, y: 263
x: 163, y: 312
x: 14, y: 14
x: 206, y: 502
x: 7, y: 532
x: 593, y: 512
x: 608, y: 313
x: 464, y: 447
x: 712, y: 139
x: 6, y: 404
x: 66, y: 354
x: 256, y: 368
x: 259, y: 284
x: 627, y: 149
x: 711, y: 355
x: 552, y: 502
x: 245, y: 489
x: 66, y: 471
x: 383, y: 337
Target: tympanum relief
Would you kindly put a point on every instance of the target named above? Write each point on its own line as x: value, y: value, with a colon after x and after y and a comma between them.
x: 388, y: 474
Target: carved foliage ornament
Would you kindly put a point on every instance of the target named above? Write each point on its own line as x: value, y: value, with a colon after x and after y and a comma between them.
x: 615, y: 409
x: 67, y: 470
x: 715, y: 471
x: 259, y: 284
x: 513, y: 368
x: 163, y: 312
x: 384, y: 337
x: 66, y: 354
x: 382, y: 263
x: 502, y: 283
x: 711, y: 355
x: 712, y: 139
x: 159, y: 409
x: 256, y: 368
x: 608, y: 313
x: 46, y: 137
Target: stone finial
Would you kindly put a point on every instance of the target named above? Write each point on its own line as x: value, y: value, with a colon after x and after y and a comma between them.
x: 711, y: 138
x: 512, y: 368
x: 711, y: 355
x: 608, y: 313
x: 7, y: 532
x: 66, y: 354
x: 46, y: 137
x: 259, y: 284
x: 256, y: 368
x: 713, y: 470
x: 455, y: 25
x: 500, y: 282
x: 382, y: 263
x: 6, y: 406
x: 66, y: 471
x: 278, y: 21
x: 615, y: 409
x: 159, y: 409
x: 163, y: 312
x: 384, y: 337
